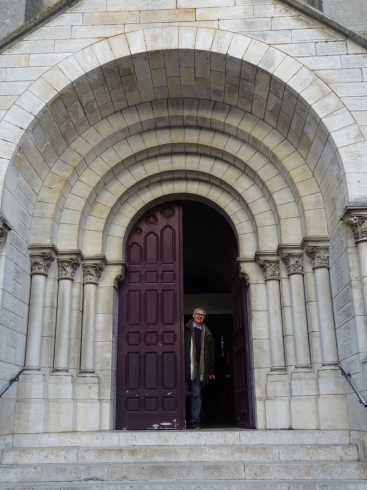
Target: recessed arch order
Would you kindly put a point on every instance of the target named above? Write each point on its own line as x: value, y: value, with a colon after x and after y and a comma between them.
x: 98, y: 119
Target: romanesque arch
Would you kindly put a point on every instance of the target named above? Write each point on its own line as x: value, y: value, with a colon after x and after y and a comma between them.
x: 167, y: 112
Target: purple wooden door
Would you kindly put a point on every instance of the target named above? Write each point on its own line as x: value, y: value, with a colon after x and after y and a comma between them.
x: 242, y: 354
x: 150, y: 374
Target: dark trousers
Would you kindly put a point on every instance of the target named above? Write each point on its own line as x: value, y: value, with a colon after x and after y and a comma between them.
x: 195, y: 398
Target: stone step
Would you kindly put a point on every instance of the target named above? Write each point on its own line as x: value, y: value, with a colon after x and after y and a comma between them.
x: 129, y: 472
x: 129, y: 454
x: 181, y: 438
x: 194, y: 485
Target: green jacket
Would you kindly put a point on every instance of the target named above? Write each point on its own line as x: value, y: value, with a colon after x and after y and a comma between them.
x: 209, y: 351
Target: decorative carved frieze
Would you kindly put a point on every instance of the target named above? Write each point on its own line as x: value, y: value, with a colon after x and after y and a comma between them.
x: 358, y: 225
x: 121, y: 277
x: 293, y: 262
x: 92, y: 272
x: 270, y: 269
x: 4, y: 230
x: 319, y: 256
x: 67, y: 267
x: 40, y: 263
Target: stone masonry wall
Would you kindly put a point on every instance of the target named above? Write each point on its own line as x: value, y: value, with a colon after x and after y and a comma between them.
x: 336, y: 82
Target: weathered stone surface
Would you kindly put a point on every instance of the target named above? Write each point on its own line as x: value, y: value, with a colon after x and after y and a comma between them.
x: 145, y: 100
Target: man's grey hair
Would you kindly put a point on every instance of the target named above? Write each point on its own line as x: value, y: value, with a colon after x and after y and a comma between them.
x: 199, y: 309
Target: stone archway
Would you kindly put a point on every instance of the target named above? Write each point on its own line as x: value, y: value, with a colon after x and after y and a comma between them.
x: 167, y: 112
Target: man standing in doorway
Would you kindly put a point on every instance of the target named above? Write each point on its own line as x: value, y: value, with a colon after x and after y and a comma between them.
x: 199, y: 360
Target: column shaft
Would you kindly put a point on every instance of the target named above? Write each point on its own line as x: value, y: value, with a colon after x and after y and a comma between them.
x: 276, y: 326
x: 88, y: 332
x: 299, y: 317
x: 362, y: 255
x: 40, y: 263
x: 357, y: 220
x: 35, y: 322
x: 326, y: 317
x: 61, y: 361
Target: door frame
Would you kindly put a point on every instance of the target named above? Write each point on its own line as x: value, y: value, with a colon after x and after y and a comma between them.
x: 246, y: 304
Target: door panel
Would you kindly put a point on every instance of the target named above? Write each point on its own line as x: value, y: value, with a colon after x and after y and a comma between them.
x: 150, y: 377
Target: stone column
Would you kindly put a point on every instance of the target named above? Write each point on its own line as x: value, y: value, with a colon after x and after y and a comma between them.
x: 87, y: 383
x: 304, y: 386
x: 40, y: 263
x: 332, y: 405
x: 294, y: 264
x: 67, y: 267
x: 277, y: 404
x: 31, y: 404
x: 91, y: 274
x: 358, y: 224
x: 61, y: 405
x: 272, y: 278
x: 319, y: 256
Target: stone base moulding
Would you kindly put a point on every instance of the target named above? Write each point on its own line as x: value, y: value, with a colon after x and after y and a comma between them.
x: 31, y: 405
x: 87, y: 403
x: 61, y: 402
x: 277, y: 403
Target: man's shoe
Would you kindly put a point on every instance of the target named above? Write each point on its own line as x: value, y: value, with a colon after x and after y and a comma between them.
x: 196, y: 426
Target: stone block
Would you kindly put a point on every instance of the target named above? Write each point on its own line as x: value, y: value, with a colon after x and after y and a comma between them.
x: 31, y: 385
x: 97, y: 31
x: 204, y: 3
x: 304, y: 412
x: 303, y: 383
x: 167, y: 15
x: 7, y: 410
x: 106, y: 415
x: 108, y: 18
x: 60, y: 416
x: 87, y: 387
x: 87, y: 416
x: 30, y: 416
x: 330, y: 381
x: 277, y: 385
x: 245, y: 25
x: 241, y: 11
x: 278, y: 414
x: 333, y: 412
x: 60, y: 386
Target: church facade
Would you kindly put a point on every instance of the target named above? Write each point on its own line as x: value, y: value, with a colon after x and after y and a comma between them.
x: 112, y: 112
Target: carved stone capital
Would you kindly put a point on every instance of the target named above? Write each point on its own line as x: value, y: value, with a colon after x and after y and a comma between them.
x: 40, y: 263
x: 319, y: 256
x: 358, y: 225
x: 270, y: 269
x: 245, y: 277
x: 293, y: 262
x: 92, y: 272
x: 120, y: 278
x: 67, y: 267
x: 4, y: 230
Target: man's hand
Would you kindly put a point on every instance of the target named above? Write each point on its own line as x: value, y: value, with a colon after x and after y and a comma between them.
x: 212, y: 377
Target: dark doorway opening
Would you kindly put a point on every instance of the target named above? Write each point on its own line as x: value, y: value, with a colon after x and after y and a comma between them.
x: 209, y: 257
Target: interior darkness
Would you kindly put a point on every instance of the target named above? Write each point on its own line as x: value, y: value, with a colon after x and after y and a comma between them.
x: 209, y: 252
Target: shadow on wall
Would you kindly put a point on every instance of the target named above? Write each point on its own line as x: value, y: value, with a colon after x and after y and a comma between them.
x: 317, y: 4
x: 20, y: 11
x: 35, y: 7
